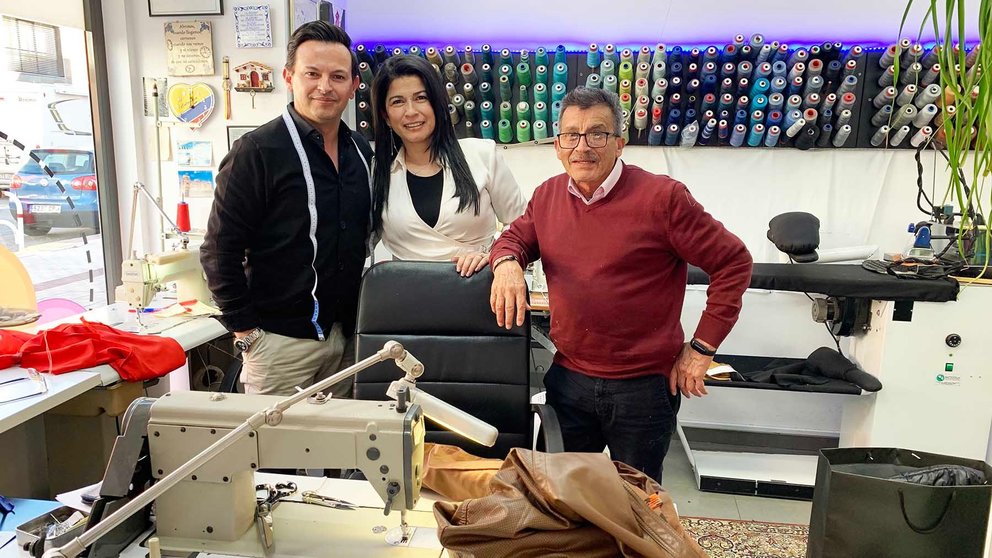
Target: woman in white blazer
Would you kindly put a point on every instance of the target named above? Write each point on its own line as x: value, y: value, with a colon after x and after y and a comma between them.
x: 435, y: 197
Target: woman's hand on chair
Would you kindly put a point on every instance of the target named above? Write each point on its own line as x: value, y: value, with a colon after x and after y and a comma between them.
x: 468, y: 263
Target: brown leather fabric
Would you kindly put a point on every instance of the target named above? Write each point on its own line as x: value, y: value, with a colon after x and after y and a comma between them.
x: 456, y: 474
x: 565, y: 504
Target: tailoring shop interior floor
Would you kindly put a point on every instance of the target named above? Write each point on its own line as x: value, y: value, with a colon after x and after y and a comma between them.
x: 680, y: 482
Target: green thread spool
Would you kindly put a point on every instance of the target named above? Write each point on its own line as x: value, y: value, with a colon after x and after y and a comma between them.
x: 470, y: 110
x: 555, y: 112
x: 659, y: 55
x: 458, y: 101
x: 506, y: 70
x: 365, y: 71
x: 558, y: 92
x: 540, y: 130
x: 541, y: 56
x: 607, y: 68
x: 469, y: 56
x: 505, y: 92
x: 505, y: 111
x: 540, y: 111
x: 523, y: 131
x: 610, y: 53
x: 626, y: 71
x: 540, y: 93
x: 486, y: 130
x: 523, y: 56
x: 560, y: 55
x: 594, y: 81
x: 487, y: 72
x: 625, y: 86
x: 488, y: 111
x: 417, y: 51
x: 486, y: 92
x: 523, y: 73
x: 469, y: 129
x: 523, y: 111
x: 610, y: 84
x: 505, y: 57
x: 625, y: 102
x: 453, y: 114
x: 592, y: 56
x: 658, y: 70
x: 560, y: 73
x: 541, y: 74
x: 522, y: 93
x: 468, y: 91
x: 505, y: 131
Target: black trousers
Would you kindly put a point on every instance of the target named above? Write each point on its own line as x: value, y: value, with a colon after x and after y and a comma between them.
x: 635, y: 418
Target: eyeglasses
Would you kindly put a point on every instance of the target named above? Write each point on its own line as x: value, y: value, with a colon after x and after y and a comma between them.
x: 570, y: 140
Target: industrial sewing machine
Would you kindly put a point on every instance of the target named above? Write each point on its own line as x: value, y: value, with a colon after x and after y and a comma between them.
x: 195, y: 455
x: 143, y: 278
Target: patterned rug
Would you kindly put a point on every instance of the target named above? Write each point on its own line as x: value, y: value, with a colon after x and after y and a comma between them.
x: 731, y: 538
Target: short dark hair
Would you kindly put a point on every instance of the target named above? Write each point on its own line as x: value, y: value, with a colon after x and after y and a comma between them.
x: 443, y: 143
x: 588, y: 97
x: 319, y: 31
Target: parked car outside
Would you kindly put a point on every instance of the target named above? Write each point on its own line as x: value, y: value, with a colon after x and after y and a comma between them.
x: 45, y: 205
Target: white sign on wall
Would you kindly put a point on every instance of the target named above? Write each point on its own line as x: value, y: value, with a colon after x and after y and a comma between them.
x: 189, y: 46
x: 252, y: 26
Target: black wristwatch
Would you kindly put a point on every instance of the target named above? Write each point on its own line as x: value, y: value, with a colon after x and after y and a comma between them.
x: 245, y: 343
x: 700, y: 348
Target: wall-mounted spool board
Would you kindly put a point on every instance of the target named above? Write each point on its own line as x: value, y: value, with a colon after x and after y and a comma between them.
x: 866, y: 70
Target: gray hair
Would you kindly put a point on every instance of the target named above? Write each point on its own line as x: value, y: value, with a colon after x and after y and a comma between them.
x: 588, y: 97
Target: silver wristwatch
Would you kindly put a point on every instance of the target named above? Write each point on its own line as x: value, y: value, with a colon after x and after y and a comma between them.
x: 245, y: 343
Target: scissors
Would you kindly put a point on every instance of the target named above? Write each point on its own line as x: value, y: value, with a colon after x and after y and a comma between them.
x: 311, y: 497
x: 269, y: 495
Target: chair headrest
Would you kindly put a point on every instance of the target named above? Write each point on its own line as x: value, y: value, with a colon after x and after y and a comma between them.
x: 797, y: 234
x: 427, y: 298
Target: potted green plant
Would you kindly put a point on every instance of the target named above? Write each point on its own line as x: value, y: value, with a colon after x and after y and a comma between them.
x: 965, y: 132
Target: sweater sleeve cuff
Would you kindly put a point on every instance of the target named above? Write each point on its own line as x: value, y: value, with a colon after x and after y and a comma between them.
x: 712, y: 331
x: 240, y: 320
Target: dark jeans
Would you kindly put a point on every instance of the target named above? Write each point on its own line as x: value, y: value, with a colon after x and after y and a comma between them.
x: 635, y: 417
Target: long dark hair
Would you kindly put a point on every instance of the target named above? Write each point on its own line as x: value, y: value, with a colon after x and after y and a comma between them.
x: 444, y: 147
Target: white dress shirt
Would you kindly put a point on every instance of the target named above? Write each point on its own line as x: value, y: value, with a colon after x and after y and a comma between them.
x: 408, y: 237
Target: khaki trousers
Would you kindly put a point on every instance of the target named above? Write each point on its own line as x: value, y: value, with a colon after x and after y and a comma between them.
x: 276, y: 364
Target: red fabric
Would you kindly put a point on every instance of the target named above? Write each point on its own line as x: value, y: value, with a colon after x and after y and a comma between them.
x: 617, y: 271
x: 75, y: 346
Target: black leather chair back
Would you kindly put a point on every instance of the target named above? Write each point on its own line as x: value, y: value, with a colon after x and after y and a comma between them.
x: 445, y: 321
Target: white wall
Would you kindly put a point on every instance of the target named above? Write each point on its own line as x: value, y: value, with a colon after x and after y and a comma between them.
x: 861, y: 196
x: 136, y: 49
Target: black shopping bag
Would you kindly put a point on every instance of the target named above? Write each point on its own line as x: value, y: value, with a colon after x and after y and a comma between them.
x: 859, y: 512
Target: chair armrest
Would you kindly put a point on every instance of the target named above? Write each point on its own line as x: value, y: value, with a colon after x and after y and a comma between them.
x: 550, y: 428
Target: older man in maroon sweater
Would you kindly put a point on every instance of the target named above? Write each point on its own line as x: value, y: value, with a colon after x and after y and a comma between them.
x: 615, y: 242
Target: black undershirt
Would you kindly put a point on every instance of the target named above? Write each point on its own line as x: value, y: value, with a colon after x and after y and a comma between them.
x: 425, y: 191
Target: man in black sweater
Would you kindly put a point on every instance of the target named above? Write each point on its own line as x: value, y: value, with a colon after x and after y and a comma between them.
x: 288, y: 232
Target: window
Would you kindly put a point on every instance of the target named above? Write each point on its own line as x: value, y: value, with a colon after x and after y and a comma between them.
x: 33, y: 48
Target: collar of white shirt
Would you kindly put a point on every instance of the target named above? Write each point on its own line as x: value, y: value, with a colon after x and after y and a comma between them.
x: 604, y: 188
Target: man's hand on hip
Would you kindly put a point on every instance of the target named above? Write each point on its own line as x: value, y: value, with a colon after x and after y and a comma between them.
x: 508, y: 298
x: 689, y: 372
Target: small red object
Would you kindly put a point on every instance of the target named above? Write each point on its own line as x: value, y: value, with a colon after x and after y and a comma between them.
x: 182, y: 216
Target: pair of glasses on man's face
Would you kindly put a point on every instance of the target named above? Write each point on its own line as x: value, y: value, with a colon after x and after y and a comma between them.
x: 595, y: 140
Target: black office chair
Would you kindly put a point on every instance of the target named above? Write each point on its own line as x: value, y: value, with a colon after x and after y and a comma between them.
x: 445, y: 321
